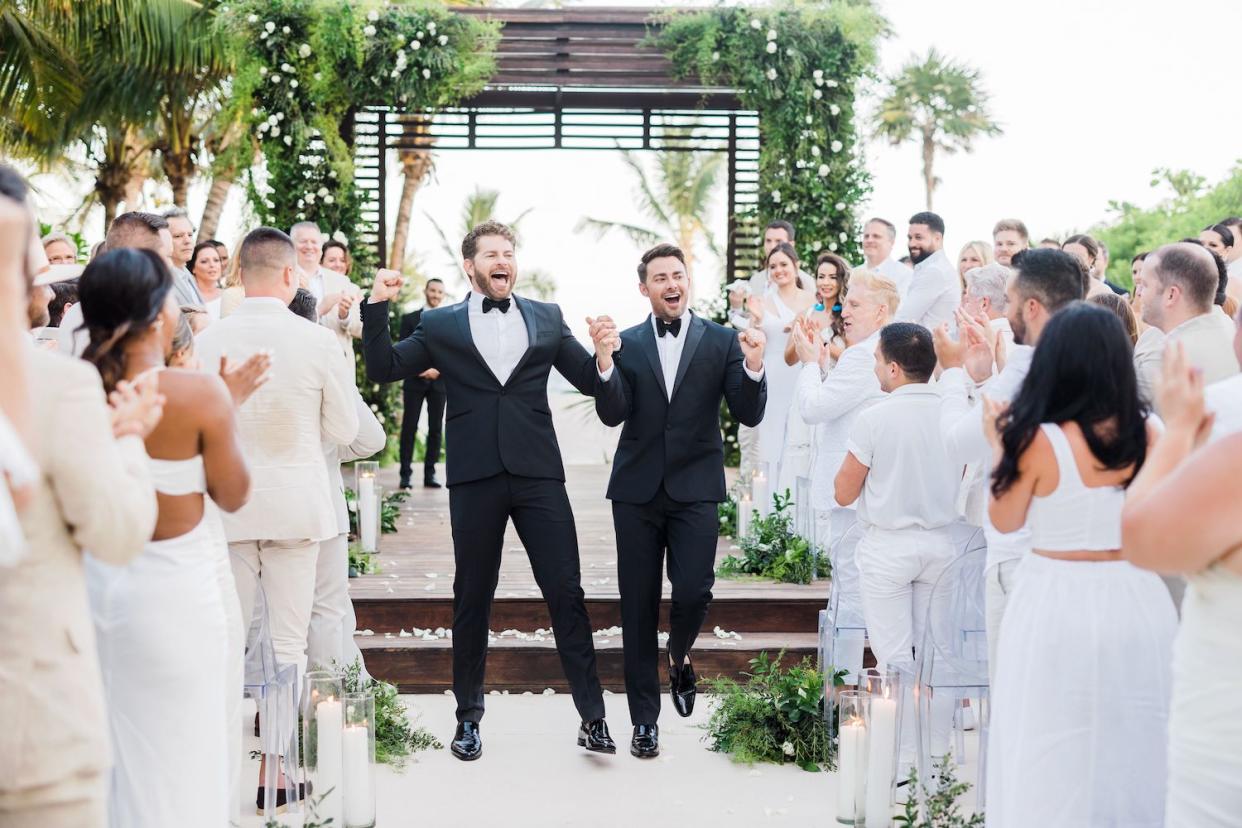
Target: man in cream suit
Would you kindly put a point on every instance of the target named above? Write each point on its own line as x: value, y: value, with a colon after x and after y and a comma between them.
x: 1179, y: 283
x: 337, y: 296
x: 95, y: 493
x: 283, y: 427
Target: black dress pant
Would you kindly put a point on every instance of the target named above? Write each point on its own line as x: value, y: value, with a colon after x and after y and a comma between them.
x: 480, y: 511
x: 413, y: 395
x: 644, y: 531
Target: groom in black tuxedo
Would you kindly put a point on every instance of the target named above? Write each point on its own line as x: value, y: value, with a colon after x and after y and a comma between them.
x: 668, y: 476
x: 495, y: 351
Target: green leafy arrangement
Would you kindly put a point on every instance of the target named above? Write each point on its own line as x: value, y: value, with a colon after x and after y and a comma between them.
x: 396, y: 738
x: 941, y: 803
x: 361, y: 563
x: 774, y: 716
x: 772, y: 550
x: 390, y: 510
x: 726, y: 513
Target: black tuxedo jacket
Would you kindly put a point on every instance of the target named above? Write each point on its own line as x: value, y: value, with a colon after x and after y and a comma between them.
x: 409, y: 323
x: 492, y: 428
x: 677, y: 442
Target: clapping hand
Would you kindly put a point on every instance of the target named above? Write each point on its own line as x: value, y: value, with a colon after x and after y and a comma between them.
x: 753, y: 343
x: 136, y: 407
x: 607, y: 340
x: 807, y: 344
x: 343, y: 306
x: 244, y: 379
x: 980, y: 339
x: 950, y: 352
x: 1179, y: 396
x: 387, y: 286
x: 754, y: 305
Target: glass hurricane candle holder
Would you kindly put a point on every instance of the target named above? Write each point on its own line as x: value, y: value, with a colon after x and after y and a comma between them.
x: 358, y: 745
x: 852, y: 737
x: 323, y: 719
x: 368, y: 495
x: 885, y: 689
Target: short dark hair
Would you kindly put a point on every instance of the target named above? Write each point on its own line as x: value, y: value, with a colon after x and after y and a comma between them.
x: 1091, y: 245
x: 660, y: 251
x: 910, y: 346
x: 438, y: 281
x: 1231, y: 221
x: 135, y: 229
x: 1181, y: 264
x: 304, y: 305
x: 1053, y: 278
x: 1226, y: 235
x: 781, y: 224
x: 931, y: 220
x: 263, y: 247
x: 470, y: 244
x: 199, y: 248
x: 63, y: 294
x: 1138, y: 257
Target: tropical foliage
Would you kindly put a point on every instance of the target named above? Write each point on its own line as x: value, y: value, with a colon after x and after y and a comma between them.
x: 799, y: 66
x: 938, y: 102
x: 1190, y: 206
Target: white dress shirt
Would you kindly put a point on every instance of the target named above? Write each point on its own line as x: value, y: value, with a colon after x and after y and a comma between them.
x: 935, y: 292
x: 911, y: 482
x: 500, y: 338
x: 961, y: 424
x: 1224, y: 399
x: 669, y: 348
x: 760, y: 282
x: 901, y: 274
x: 831, y: 403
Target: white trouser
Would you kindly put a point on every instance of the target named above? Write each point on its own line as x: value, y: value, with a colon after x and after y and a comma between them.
x: 897, y: 570
x: 287, y: 573
x: 999, y: 579
x: 330, y: 638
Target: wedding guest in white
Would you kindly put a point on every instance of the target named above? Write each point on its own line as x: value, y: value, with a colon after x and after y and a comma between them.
x: 1080, y: 701
x: 777, y: 232
x: 1179, y: 479
x: 335, y: 257
x: 204, y: 266
x: 59, y: 249
x: 1215, y: 237
x: 935, y: 290
x: 161, y: 619
x: 337, y: 295
x: 985, y: 296
x: 905, y: 485
x: 330, y: 639
x: 1009, y: 236
x: 92, y: 491
x: 1179, y: 284
x: 974, y: 254
x: 832, y: 401
x: 283, y: 427
x: 1043, y: 282
x: 181, y: 230
x: 879, y: 237
x: 1087, y: 251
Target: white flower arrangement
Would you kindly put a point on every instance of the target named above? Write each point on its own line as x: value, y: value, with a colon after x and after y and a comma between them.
x: 368, y: 30
x: 275, y: 77
x: 254, y: 18
x: 817, y: 94
x: 776, y: 196
x: 834, y: 109
x: 771, y: 34
x: 426, y: 74
x: 293, y: 84
x: 840, y: 205
x: 823, y: 170
x: 836, y: 146
x: 844, y: 236
x: 771, y: 73
x: 285, y: 67
x: 815, y: 151
x: 755, y: 24
x: 286, y: 30
x: 269, y: 27
x: 328, y: 199
x: 443, y: 40
x: 771, y: 47
x: 262, y: 71
x: 373, y: 16
x: 304, y: 51
x: 415, y: 45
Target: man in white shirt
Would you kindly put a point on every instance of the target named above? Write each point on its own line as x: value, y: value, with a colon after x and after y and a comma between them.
x: 1043, y: 282
x: 879, y: 237
x: 1179, y: 284
x: 898, y: 471
x: 831, y: 403
x: 1009, y: 236
x: 934, y: 289
x: 181, y: 229
x: 336, y: 294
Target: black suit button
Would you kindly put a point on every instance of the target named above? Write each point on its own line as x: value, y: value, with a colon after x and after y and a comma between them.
x: 668, y: 426
x: 502, y: 392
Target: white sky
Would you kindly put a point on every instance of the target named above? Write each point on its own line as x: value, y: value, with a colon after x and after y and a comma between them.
x: 1092, y: 94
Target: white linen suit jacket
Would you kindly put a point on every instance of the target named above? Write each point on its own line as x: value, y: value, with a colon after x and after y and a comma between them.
x: 285, y: 423
x: 350, y: 328
x: 92, y: 493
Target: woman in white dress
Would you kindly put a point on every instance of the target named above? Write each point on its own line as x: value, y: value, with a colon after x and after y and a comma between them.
x: 161, y: 621
x: 1079, y: 716
x: 1180, y: 518
x: 204, y: 266
x: 775, y: 313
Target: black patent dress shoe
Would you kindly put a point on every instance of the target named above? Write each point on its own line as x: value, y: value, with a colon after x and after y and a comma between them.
x: 594, y: 737
x: 682, y: 687
x: 282, y: 797
x: 646, y: 741
x: 405, y: 483
x: 467, y: 744
x: 430, y: 482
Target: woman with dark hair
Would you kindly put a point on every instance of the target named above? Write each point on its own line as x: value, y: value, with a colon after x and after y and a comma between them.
x: 335, y: 256
x: 205, y: 267
x: 162, y: 621
x: 1087, y: 251
x: 774, y: 313
x: 823, y: 319
x: 1081, y: 695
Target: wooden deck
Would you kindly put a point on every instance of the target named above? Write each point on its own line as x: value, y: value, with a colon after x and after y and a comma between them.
x: 413, y: 593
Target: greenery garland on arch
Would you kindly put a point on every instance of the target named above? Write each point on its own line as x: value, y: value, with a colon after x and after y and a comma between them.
x: 798, y: 65
x: 302, y: 68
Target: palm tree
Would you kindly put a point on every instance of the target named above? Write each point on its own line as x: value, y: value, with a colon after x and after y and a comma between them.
x: 678, y: 197
x: 940, y: 102
x: 416, y: 165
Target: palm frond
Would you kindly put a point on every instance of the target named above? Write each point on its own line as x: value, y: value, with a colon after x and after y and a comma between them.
x: 641, y: 236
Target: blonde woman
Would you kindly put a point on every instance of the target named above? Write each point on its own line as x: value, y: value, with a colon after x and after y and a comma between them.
x: 974, y: 254
x: 233, y: 293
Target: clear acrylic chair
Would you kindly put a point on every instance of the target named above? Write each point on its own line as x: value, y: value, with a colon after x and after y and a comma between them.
x: 842, y: 630
x: 952, y: 657
x: 274, y: 688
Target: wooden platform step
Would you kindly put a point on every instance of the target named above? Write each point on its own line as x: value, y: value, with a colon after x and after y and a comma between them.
x: 426, y: 666
x: 776, y: 614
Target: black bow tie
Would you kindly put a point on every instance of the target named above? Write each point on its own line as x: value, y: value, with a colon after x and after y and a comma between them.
x: 502, y: 305
x: 673, y: 327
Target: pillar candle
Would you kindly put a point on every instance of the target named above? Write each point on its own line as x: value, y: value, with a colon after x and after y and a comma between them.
x: 763, y: 498
x: 366, y: 513
x: 851, y: 772
x: 745, y: 506
x: 327, y: 792
x: 880, y: 755
x: 358, y: 780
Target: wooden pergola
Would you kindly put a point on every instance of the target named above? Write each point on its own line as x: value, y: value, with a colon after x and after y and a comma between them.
x: 576, y: 79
